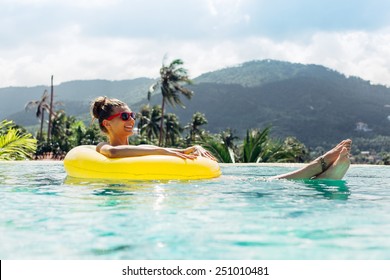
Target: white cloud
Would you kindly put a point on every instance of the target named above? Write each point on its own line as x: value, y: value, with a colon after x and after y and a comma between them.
x: 76, y: 57
x: 115, y: 43
x: 353, y: 53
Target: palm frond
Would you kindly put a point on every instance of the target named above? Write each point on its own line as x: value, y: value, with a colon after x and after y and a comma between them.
x: 175, y: 63
x: 254, y: 145
x: 218, y: 150
x: 186, y: 92
x: 16, y: 146
x: 152, y: 89
x: 41, y: 105
x: 5, y: 125
x: 31, y: 104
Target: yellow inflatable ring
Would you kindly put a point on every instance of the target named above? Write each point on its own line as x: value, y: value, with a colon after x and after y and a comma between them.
x: 85, y: 162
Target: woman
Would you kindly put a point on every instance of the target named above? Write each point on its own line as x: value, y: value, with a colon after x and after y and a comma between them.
x: 117, y: 121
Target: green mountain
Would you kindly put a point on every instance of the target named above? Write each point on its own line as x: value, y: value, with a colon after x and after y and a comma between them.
x: 315, y: 104
x: 257, y: 73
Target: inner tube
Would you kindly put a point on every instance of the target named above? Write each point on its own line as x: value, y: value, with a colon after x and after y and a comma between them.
x: 85, y: 162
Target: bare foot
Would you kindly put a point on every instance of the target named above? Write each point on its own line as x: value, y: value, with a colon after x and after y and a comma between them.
x: 314, y: 168
x: 339, y: 167
x: 332, y: 155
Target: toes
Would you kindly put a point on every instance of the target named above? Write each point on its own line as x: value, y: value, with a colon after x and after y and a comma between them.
x: 348, y: 144
x: 344, y: 153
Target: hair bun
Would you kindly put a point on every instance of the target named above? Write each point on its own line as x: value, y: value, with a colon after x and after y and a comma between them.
x: 97, y: 106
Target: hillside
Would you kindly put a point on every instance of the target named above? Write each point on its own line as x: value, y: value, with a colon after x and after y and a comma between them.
x: 311, y: 102
x: 75, y: 95
x: 258, y: 73
x: 299, y: 107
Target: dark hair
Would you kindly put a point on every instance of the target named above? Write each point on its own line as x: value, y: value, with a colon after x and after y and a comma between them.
x: 103, y: 107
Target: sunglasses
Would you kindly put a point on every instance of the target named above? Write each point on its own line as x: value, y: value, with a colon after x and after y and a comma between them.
x: 125, y: 116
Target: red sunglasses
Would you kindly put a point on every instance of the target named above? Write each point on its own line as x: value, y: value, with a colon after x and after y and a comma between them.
x: 125, y: 116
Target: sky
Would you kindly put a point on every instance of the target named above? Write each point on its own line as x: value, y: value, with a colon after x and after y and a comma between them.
x: 127, y: 39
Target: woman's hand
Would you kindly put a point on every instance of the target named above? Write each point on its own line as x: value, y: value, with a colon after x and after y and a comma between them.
x: 199, y: 151
x: 181, y: 154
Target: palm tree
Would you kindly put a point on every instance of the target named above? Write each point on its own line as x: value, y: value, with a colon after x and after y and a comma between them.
x: 15, y: 144
x: 198, y: 119
x: 143, y: 117
x: 42, y: 106
x: 172, y: 78
x: 228, y: 139
x: 150, y: 122
x: 258, y: 147
x: 216, y: 146
x: 51, y: 112
x: 63, y: 133
x: 172, y: 129
x: 297, y: 149
x: 221, y: 146
x: 274, y: 151
x: 254, y: 145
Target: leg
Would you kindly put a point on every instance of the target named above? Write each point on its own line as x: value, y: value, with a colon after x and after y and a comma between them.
x: 314, y: 168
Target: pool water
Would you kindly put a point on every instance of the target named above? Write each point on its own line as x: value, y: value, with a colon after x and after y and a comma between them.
x: 241, y: 215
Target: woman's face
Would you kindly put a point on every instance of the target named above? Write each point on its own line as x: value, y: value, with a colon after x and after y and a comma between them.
x: 118, y: 125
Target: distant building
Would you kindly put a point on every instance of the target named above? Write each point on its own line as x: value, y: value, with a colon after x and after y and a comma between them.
x: 361, y: 126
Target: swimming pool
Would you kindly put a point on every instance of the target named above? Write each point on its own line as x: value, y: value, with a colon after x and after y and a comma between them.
x: 240, y: 215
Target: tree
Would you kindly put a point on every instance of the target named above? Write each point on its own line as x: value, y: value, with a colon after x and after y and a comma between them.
x: 259, y: 147
x: 14, y: 143
x: 150, y: 122
x: 90, y: 135
x: 228, y: 139
x: 64, y: 133
x: 67, y: 133
x: 172, y: 129
x: 51, y: 115
x: 143, y: 117
x: 297, y: 149
x: 42, y: 106
x: 172, y: 78
x: 254, y: 145
x: 198, y: 119
x: 219, y: 149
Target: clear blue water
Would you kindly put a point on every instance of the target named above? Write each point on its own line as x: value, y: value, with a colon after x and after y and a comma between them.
x: 45, y: 215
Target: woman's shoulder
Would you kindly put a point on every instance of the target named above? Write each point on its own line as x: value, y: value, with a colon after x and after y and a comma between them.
x: 100, y: 145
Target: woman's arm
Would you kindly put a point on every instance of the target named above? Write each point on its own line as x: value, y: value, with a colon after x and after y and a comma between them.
x: 142, y: 150
x: 195, y: 150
